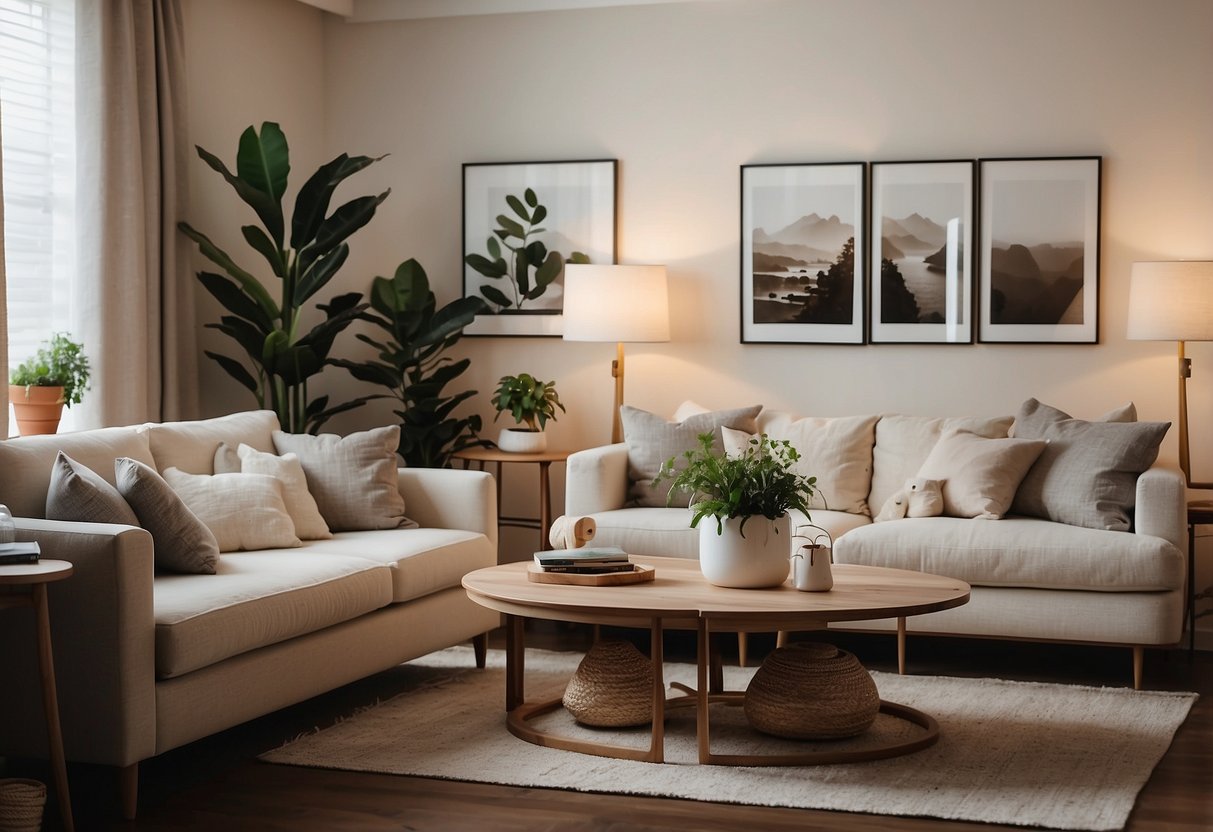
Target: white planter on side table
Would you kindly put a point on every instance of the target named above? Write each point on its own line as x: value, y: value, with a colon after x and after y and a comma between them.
x: 522, y: 441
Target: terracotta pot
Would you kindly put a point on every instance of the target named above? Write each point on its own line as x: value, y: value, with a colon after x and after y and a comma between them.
x: 759, y: 559
x: 522, y: 441
x: 38, y: 409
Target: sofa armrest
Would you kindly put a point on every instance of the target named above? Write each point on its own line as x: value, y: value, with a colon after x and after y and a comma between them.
x: 449, y: 498
x: 596, y: 480
x: 103, y: 634
x: 1161, y: 509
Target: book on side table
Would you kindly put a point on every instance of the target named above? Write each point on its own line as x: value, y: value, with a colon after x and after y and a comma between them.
x: 20, y: 552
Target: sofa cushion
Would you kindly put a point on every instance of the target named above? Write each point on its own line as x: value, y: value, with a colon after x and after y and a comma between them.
x: 979, y: 475
x: 300, y: 504
x: 191, y: 446
x: 904, y: 442
x: 1018, y: 552
x: 256, y: 599
x: 243, y: 511
x: 180, y: 541
x: 78, y: 493
x: 837, y: 451
x: 423, y: 560
x: 26, y: 461
x: 652, y: 440
x: 1087, y: 476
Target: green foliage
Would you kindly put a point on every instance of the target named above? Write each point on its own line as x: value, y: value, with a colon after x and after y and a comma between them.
x: 269, y: 332
x: 411, y: 365
x: 60, y: 362
x: 759, y: 481
x: 530, y: 401
x: 514, y: 233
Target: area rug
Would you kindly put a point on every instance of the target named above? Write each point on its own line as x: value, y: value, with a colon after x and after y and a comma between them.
x: 1019, y: 753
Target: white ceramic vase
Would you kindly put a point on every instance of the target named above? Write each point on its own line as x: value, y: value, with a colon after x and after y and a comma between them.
x: 759, y: 559
x: 522, y: 441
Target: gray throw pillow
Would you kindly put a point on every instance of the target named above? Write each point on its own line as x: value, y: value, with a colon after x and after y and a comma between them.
x: 182, y: 542
x: 1087, y: 474
x: 651, y: 440
x: 78, y: 493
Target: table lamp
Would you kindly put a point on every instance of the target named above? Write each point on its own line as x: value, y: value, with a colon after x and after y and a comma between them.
x: 616, y: 303
x: 1173, y: 301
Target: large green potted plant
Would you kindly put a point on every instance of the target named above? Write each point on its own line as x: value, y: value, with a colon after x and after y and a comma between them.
x: 749, y: 494
x: 533, y: 404
x: 269, y: 330
x: 410, y: 363
x: 56, y: 375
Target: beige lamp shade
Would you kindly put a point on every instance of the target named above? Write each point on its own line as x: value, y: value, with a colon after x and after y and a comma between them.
x: 1171, y: 301
x: 615, y: 303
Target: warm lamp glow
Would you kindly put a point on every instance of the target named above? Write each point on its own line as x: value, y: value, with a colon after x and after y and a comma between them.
x: 1171, y: 301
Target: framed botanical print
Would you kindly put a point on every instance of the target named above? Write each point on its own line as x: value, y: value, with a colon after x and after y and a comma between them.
x: 1039, y: 250
x: 522, y: 221
x: 802, y: 253
x: 920, y: 277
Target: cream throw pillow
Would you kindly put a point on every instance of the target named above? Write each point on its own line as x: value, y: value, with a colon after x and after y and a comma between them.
x: 243, y: 511
x: 300, y: 504
x: 980, y: 475
x: 181, y: 542
x: 837, y: 451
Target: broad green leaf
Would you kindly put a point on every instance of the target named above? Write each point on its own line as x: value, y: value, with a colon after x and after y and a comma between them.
x: 496, y: 296
x: 519, y: 209
x: 522, y: 271
x: 536, y: 252
x: 578, y: 257
x: 538, y: 215
x: 228, y: 293
x: 234, y: 369
x: 219, y: 257
x: 510, y: 227
x: 312, y: 203
x: 488, y: 268
x: 494, y: 248
x: 321, y: 272
x: 530, y: 198
x: 550, y: 269
x: 264, y: 160
x: 269, y: 211
x: 263, y: 245
x: 341, y: 224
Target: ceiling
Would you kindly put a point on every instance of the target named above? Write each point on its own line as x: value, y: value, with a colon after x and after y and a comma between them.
x: 366, y: 11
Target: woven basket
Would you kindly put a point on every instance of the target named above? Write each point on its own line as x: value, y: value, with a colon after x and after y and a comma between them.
x: 21, y: 803
x: 811, y: 692
x: 612, y: 687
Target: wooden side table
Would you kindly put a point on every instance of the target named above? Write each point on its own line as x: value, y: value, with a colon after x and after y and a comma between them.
x: 480, y: 456
x: 1200, y: 513
x: 36, y: 576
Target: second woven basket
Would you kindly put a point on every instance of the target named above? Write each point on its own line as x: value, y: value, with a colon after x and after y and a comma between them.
x: 612, y: 687
x: 811, y: 692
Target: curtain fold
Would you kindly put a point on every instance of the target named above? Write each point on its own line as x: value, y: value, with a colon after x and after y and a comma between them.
x: 3, y: 313
x: 137, y: 319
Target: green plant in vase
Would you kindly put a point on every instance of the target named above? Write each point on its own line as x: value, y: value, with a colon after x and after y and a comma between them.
x: 532, y: 403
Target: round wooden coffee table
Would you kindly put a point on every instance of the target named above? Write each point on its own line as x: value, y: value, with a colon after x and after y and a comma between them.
x: 680, y: 598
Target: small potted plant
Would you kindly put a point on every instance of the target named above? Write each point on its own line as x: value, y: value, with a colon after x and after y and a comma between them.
x: 40, y: 386
x: 759, y: 484
x: 532, y: 403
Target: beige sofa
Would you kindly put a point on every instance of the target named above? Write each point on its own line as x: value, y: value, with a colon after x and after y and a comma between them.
x: 150, y: 661
x: 1032, y: 578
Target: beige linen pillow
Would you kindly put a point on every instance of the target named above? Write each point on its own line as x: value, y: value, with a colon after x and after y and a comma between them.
x: 309, y: 523
x: 980, y: 475
x: 181, y: 542
x: 651, y: 440
x: 353, y: 478
x: 190, y: 446
x: 79, y: 494
x: 837, y: 451
x: 243, y: 511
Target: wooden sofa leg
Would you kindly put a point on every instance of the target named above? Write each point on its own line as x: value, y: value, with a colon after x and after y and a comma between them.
x: 480, y: 646
x: 781, y: 638
x: 128, y: 778
x: 1139, y: 654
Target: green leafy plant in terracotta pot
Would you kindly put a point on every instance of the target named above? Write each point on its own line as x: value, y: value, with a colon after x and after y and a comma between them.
x: 533, y: 404
x: 56, y: 375
x: 759, y: 484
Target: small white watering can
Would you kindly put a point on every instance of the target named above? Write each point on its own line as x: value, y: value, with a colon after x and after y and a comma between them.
x: 811, y: 561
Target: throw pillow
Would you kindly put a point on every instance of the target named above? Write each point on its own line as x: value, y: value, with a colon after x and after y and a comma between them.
x: 837, y: 451
x: 1088, y: 474
x: 651, y: 440
x: 181, y: 542
x: 80, y: 494
x: 243, y: 511
x: 980, y: 475
x: 353, y: 478
x: 300, y: 504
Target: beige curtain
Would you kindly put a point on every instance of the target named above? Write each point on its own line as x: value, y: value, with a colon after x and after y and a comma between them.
x: 3, y: 314
x: 137, y: 321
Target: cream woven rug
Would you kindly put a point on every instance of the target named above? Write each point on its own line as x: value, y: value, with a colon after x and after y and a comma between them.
x: 1028, y: 754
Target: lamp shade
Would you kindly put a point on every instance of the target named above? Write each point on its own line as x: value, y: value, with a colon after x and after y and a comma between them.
x: 615, y: 303
x: 1171, y: 301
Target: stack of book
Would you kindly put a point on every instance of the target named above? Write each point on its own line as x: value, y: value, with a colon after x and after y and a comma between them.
x: 597, y: 560
x: 19, y: 552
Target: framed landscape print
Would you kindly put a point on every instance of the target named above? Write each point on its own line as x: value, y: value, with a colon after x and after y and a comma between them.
x: 1039, y: 250
x: 522, y: 221
x: 921, y: 267
x: 802, y: 250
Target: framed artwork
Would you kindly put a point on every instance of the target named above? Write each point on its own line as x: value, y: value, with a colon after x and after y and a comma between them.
x: 1039, y: 250
x: 920, y: 277
x: 802, y: 249
x: 522, y: 221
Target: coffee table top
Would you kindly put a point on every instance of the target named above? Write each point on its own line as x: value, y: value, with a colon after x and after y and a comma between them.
x: 680, y: 596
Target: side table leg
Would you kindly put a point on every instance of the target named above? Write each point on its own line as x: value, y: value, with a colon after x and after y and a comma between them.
x: 545, y: 505
x: 657, y: 658
x: 515, y: 662
x: 50, y: 702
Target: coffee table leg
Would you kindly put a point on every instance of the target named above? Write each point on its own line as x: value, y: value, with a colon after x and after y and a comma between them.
x: 701, y: 705
x: 901, y: 645
x: 657, y: 657
x: 515, y: 661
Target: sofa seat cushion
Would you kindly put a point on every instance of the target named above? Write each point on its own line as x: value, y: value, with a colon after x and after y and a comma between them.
x: 259, y: 598
x: 423, y: 561
x: 1018, y: 552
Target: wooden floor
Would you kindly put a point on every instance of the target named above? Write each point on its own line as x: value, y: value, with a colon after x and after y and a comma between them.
x: 217, y: 783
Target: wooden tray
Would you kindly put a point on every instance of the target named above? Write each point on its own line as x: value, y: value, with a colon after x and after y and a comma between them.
x: 641, y: 574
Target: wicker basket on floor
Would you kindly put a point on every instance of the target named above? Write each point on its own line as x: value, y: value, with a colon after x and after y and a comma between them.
x: 811, y: 692
x: 21, y: 803
x: 612, y: 687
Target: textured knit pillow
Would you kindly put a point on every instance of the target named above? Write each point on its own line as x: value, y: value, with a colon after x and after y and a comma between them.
x: 353, y: 478
x: 651, y: 440
x: 243, y: 511
x: 80, y: 494
x: 309, y: 524
x: 980, y: 475
x: 182, y: 542
x: 838, y: 451
x: 1087, y: 476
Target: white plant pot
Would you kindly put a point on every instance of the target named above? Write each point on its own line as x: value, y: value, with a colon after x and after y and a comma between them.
x: 522, y: 441
x: 760, y: 559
